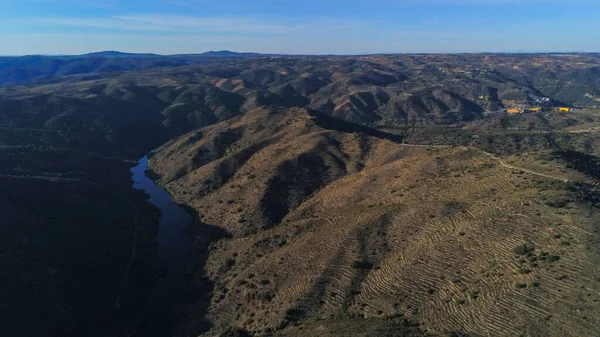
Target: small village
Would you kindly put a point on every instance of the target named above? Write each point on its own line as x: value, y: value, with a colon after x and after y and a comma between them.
x: 543, y: 104
x: 535, y: 109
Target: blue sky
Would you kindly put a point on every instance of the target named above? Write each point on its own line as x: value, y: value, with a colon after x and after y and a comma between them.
x: 298, y: 26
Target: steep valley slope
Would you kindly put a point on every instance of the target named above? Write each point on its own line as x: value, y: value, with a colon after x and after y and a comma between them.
x: 78, y: 244
x: 329, y: 227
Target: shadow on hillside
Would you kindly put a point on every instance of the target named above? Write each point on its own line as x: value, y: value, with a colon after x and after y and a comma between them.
x: 581, y: 162
x: 200, y: 290
x: 331, y: 123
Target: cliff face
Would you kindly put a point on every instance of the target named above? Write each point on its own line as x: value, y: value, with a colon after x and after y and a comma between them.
x: 329, y: 226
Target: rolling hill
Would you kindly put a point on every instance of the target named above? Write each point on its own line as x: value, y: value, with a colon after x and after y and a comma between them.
x: 358, y: 195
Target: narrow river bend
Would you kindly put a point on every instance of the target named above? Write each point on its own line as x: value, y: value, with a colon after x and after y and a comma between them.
x: 158, y: 314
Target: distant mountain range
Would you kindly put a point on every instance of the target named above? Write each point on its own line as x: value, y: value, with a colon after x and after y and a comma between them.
x: 212, y: 53
x: 114, y: 53
x: 227, y: 53
x: 31, y: 69
x: 35, y: 68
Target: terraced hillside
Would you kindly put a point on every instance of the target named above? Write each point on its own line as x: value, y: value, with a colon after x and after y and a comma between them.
x: 329, y: 226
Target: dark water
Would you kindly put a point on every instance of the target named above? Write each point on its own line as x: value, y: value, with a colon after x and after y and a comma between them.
x: 157, y: 316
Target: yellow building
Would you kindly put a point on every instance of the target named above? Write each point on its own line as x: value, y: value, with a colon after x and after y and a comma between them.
x: 513, y: 111
x: 534, y: 109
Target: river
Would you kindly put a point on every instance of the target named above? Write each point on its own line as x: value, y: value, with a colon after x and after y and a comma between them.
x: 158, y: 314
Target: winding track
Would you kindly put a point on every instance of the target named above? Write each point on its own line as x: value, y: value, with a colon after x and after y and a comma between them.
x: 521, y: 168
x: 493, y: 156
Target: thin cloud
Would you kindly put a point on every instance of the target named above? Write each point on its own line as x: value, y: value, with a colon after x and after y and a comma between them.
x: 166, y: 23
x: 182, y: 24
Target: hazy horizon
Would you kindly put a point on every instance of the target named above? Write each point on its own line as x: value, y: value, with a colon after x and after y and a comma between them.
x: 303, y: 54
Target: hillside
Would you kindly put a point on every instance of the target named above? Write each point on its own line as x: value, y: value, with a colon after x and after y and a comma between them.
x: 72, y: 226
x: 359, y: 196
x: 329, y: 226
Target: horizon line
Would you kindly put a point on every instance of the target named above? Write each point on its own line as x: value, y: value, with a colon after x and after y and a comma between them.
x: 203, y: 53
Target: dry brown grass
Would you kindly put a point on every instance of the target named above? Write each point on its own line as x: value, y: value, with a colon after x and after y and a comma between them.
x: 428, y: 234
